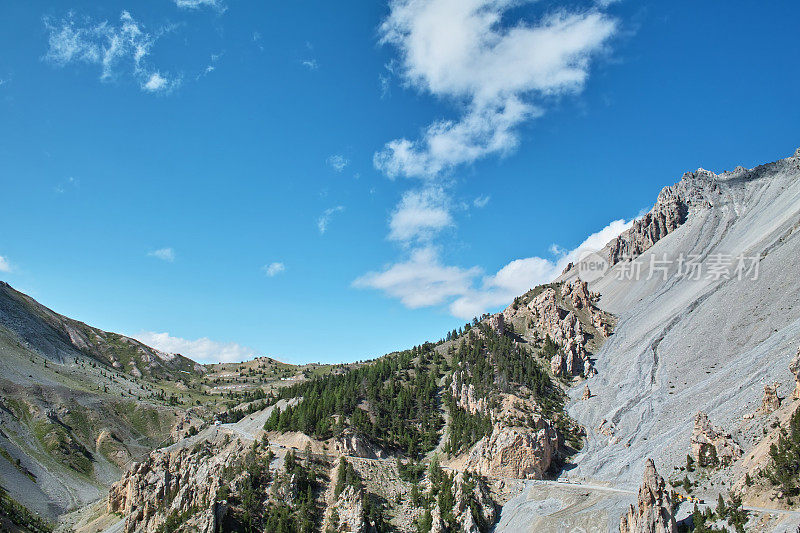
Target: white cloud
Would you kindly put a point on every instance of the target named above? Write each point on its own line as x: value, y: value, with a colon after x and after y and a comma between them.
x: 310, y: 64
x: 197, y: 4
x: 464, y: 51
x: 420, y: 215
x: 273, y: 269
x: 165, y: 254
x: 202, y: 350
x: 116, y: 49
x: 5, y: 265
x: 481, y: 201
x: 325, y: 218
x: 424, y: 281
x: 337, y: 162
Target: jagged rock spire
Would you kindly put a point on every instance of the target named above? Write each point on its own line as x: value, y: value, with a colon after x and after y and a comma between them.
x: 653, y: 510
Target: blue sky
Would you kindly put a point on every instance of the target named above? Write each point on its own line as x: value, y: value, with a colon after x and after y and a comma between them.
x: 331, y: 181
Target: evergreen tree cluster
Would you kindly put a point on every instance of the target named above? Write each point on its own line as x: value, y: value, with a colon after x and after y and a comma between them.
x: 785, y: 468
x: 393, y: 401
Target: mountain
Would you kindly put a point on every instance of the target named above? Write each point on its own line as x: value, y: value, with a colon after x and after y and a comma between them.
x: 686, y: 343
x: 79, y: 405
x: 655, y: 375
x: 60, y: 339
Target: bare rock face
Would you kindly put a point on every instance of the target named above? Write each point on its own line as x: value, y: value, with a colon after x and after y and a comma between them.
x: 515, y: 451
x: 464, y: 394
x: 497, y: 323
x: 794, y: 368
x: 711, y: 445
x: 178, y: 480
x: 770, y: 402
x: 698, y: 189
x: 653, y: 510
x: 347, y: 512
x: 352, y: 444
x: 464, y: 491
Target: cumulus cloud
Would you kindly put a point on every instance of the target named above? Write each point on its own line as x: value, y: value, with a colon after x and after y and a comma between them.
x: 462, y: 50
x: 423, y: 280
x: 117, y: 49
x: 5, y: 265
x: 203, y: 350
x: 165, y: 254
x: 325, y: 218
x: 338, y: 162
x: 273, y: 269
x: 420, y: 215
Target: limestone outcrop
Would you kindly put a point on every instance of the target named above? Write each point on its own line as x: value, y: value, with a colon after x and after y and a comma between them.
x: 498, y: 323
x: 515, y: 451
x: 464, y: 394
x: 174, y: 481
x: 467, y: 489
x: 770, y: 401
x: 653, y: 510
x: 568, y: 315
x: 794, y: 368
x: 347, y: 512
x: 711, y: 445
x: 697, y: 189
x: 352, y: 444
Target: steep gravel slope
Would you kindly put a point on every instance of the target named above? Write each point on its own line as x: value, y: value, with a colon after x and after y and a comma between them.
x: 683, y: 345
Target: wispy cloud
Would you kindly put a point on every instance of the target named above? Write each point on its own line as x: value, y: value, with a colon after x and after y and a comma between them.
x: 465, y: 52
x: 325, y: 218
x: 5, y: 264
x: 337, y: 162
x: 202, y: 350
x: 273, y: 269
x: 197, y: 4
x: 67, y: 184
x: 481, y: 201
x: 165, y: 254
x: 423, y: 280
x: 116, y: 48
x: 310, y: 64
x: 420, y: 215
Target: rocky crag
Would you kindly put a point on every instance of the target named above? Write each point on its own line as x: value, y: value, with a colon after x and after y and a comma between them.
x: 653, y: 510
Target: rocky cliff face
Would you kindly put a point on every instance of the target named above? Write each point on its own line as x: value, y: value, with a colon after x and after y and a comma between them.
x: 181, y: 481
x: 653, y: 510
x: 569, y: 316
x: 711, y: 445
x: 522, y: 443
x: 464, y: 394
x: 794, y: 368
x: 697, y: 189
x: 471, y: 497
x: 346, y: 513
x: 515, y: 452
